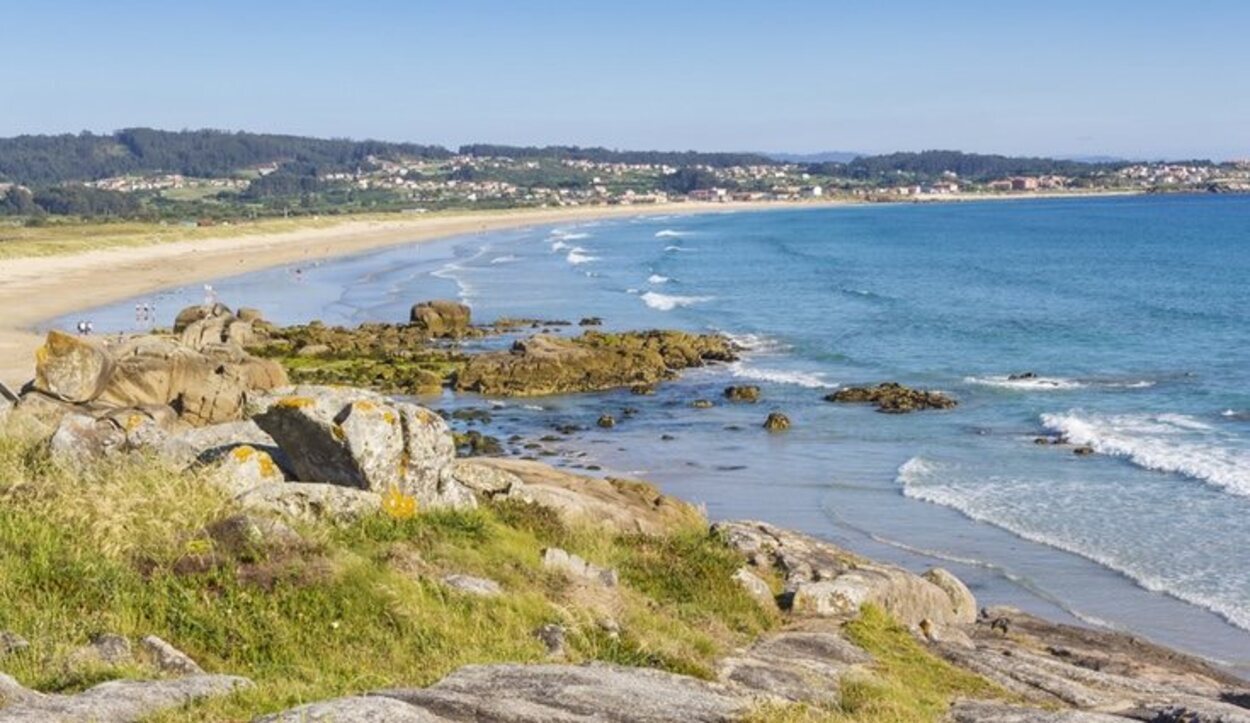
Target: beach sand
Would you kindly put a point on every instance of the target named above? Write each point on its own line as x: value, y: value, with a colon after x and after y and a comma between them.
x: 35, y: 289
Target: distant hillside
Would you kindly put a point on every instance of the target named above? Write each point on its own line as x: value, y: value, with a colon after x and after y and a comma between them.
x: 604, y: 155
x: 821, y: 157
x: 972, y: 166
x: 45, y: 160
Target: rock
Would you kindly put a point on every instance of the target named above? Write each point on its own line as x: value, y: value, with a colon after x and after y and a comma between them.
x: 441, y: 318
x: 312, y: 502
x: 11, y: 643
x: 8, y: 400
x: 963, y: 604
x: 642, y: 390
x: 478, y: 586
x: 121, y: 701
x: 192, y: 314
x: 975, y: 711
x: 169, y: 659
x: 244, y: 535
x: 568, y: 693
x: 313, y: 350
x: 81, y: 438
x: 355, y: 709
x: 574, y: 566
x: 595, y: 361
x: 893, y: 398
x: 105, y: 648
x: 755, y: 586
x: 13, y: 693
x: 43, y: 412
x: 590, y: 321
x: 743, y: 393
x: 606, y: 421
x: 623, y: 506
x: 553, y: 637
x: 1083, y: 451
x: 209, y: 443
x: 243, y: 468
x: 824, y: 580
x: 484, y: 479
x: 777, y: 422
x: 249, y: 314
x: 702, y: 404
x: 801, y: 667
x: 71, y: 368
x: 359, y: 439
x: 1020, y: 376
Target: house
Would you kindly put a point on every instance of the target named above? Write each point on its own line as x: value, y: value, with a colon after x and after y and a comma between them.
x: 1023, y: 183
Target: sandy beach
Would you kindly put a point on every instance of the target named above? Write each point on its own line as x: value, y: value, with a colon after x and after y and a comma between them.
x: 38, y: 288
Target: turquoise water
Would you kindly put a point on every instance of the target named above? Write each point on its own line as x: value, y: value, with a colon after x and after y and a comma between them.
x: 1133, y: 312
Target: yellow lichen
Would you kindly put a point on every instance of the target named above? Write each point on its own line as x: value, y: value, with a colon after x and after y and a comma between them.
x: 397, y: 505
x: 339, y: 434
x: 133, y: 422
x: 243, y: 453
x: 267, y: 466
x: 294, y: 402
x: 364, y: 405
x: 389, y: 416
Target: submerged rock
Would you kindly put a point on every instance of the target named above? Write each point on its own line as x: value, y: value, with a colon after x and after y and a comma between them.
x: 893, y: 398
x: 606, y: 421
x: 777, y: 422
x: 743, y: 393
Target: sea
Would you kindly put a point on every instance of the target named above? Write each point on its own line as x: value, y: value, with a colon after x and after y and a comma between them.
x: 1121, y: 324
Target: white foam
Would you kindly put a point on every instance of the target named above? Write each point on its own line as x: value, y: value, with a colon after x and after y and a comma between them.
x: 670, y: 233
x: 578, y: 255
x: 756, y: 343
x: 657, y: 279
x: 506, y: 259
x: 569, y: 235
x: 676, y: 249
x: 809, y: 380
x: 533, y: 407
x: 1030, y: 384
x: 1174, y: 443
x: 557, y: 246
x: 929, y: 481
x: 667, y: 302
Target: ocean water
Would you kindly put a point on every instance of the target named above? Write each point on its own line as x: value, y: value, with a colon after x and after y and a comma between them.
x: 1133, y: 313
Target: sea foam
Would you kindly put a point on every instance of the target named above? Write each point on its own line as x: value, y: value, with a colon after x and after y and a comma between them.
x: 668, y: 302
x: 810, y: 380
x: 1175, y: 443
x: 658, y: 279
x: 670, y: 233
x: 578, y: 255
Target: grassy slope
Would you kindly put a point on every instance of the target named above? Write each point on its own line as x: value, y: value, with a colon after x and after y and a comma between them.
x: 117, y: 549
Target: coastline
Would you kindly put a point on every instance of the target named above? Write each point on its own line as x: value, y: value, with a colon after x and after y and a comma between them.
x: 36, y: 288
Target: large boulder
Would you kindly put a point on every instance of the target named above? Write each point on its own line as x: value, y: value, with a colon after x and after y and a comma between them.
x: 360, y: 439
x: 71, y: 368
x: 441, y: 318
x: 545, y: 364
x: 823, y: 580
x: 893, y: 398
x: 192, y: 314
x: 120, y: 701
x: 528, y: 693
x: 311, y: 502
x: 355, y: 709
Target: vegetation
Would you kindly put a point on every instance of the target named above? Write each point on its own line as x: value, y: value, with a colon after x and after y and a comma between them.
x: 120, y: 548
x: 604, y: 155
x: 970, y: 166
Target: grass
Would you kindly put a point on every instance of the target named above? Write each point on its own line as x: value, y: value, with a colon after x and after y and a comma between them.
x: 907, y: 684
x: 118, y: 548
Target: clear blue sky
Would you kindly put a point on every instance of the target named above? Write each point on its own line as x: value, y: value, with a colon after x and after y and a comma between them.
x: 1138, y: 79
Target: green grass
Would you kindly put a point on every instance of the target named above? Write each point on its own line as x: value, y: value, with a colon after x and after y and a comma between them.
x: 907, y: 683
x: 109, y: 549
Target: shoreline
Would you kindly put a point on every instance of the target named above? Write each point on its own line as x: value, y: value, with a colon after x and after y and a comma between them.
x: 34, y: 289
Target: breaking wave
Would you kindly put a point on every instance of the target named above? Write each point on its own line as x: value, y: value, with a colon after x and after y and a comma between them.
x: 1175, y: 443
x: 667, y: 302
x: 505, y: 259
x: 658, y: 279
x: 670, y: 233
x: 578, y: 255
x: 810, y: 380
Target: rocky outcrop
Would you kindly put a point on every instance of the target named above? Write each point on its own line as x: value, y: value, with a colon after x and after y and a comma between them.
x: 577, y: 568
x: 311, y: 502
x: 795, y: 666
x: 625, y: 506
x: 71, y: 368
x: 355, y: 709
x: 893, y: 398
x: 743, y: 393
x: 595, y: 361
x: 531, y: 693
x: 824, y: 580
x: 118, y: 701
x: 441, y: 319
x: 360, y: 439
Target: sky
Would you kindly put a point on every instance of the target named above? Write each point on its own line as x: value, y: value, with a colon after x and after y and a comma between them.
x: 1143, y: 79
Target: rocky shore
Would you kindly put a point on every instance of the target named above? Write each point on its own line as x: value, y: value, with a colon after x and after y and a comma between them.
x: 597, y: 599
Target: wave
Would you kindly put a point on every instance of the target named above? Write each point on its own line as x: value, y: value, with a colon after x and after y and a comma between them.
x: 578, y: 255
x: 1175, y: 443
x: 667, y: 302
x: 1053, y: 384
x: 920, y: 477
x: 671, y: 233
x: 557, y: 246
x: 569, y: 235
x: 810, y: 380
x: 1030, y: 383
x: 507, y: 259
x: 675, y: 249
x: 756, y: 343
x: 657, y: 279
